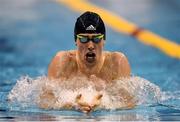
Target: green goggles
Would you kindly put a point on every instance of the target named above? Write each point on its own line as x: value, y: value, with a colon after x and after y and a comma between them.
x: 85, y: 39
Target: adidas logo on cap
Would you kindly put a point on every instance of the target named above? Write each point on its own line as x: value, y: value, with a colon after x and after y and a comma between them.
x: 91, y: 27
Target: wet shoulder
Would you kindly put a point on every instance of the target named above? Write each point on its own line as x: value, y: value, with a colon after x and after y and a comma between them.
x: 65, y: 60
x: 66, y: 55
x: 113, y: 62
x: 68, y: 64
x: 71, y: 54
x: 114, y: 57
x: 117, y: 56
x: 121, y: 64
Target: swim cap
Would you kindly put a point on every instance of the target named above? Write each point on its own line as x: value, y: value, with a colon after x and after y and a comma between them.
x: 89, y: 22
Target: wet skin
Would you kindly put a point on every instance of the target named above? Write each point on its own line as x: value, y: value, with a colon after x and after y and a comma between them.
x: 90, y: 59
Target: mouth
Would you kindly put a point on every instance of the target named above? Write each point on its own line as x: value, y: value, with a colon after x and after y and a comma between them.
x: 90, y: 57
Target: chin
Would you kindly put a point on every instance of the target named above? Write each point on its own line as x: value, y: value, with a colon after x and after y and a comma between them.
x: 90, y: 63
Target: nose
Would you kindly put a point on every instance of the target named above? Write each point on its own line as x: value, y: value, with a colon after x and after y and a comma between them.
x: 90, y: 46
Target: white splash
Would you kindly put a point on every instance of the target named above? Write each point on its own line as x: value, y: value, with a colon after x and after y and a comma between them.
x: 28, y: 91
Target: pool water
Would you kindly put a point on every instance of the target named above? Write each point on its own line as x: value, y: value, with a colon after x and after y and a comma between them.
x: 31, y: 32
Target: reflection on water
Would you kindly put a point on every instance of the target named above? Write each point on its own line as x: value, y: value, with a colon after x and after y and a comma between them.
x: 100, y: 115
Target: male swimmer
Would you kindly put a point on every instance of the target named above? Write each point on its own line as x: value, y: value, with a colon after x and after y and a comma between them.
x: 90, y: 60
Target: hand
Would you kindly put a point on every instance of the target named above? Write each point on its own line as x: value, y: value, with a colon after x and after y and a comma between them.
x: 88, y: 107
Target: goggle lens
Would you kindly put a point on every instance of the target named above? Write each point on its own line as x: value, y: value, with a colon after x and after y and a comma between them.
x: 83, y: 40
x: 95, y: 39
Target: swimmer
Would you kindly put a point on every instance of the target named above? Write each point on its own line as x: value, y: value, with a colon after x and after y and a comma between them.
x: 90, y: 60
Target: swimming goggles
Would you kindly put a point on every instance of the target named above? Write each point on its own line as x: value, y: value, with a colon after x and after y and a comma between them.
x: 85, y: 39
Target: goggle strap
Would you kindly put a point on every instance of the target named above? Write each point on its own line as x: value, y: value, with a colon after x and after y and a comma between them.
x: 79, y: 36
x: 100, y: 36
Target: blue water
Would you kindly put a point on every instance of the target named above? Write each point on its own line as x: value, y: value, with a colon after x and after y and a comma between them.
x: 31, y: 32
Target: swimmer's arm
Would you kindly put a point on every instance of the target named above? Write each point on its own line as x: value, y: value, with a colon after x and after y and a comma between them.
x: 47, y: 98
x: 124, y: 70
x: 123, y: 67
x: 56, y: 66
x: 128, y: 99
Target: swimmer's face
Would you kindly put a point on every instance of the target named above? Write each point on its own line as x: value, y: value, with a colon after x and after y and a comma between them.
x: 90, y: 47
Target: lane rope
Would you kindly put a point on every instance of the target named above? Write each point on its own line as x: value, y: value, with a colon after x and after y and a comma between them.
x: 119, y: 24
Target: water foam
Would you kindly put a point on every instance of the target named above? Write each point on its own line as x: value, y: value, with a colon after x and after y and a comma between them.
x: 27, y: 91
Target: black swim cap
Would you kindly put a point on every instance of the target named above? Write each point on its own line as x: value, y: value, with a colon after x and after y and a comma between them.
x: 89, y: 22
